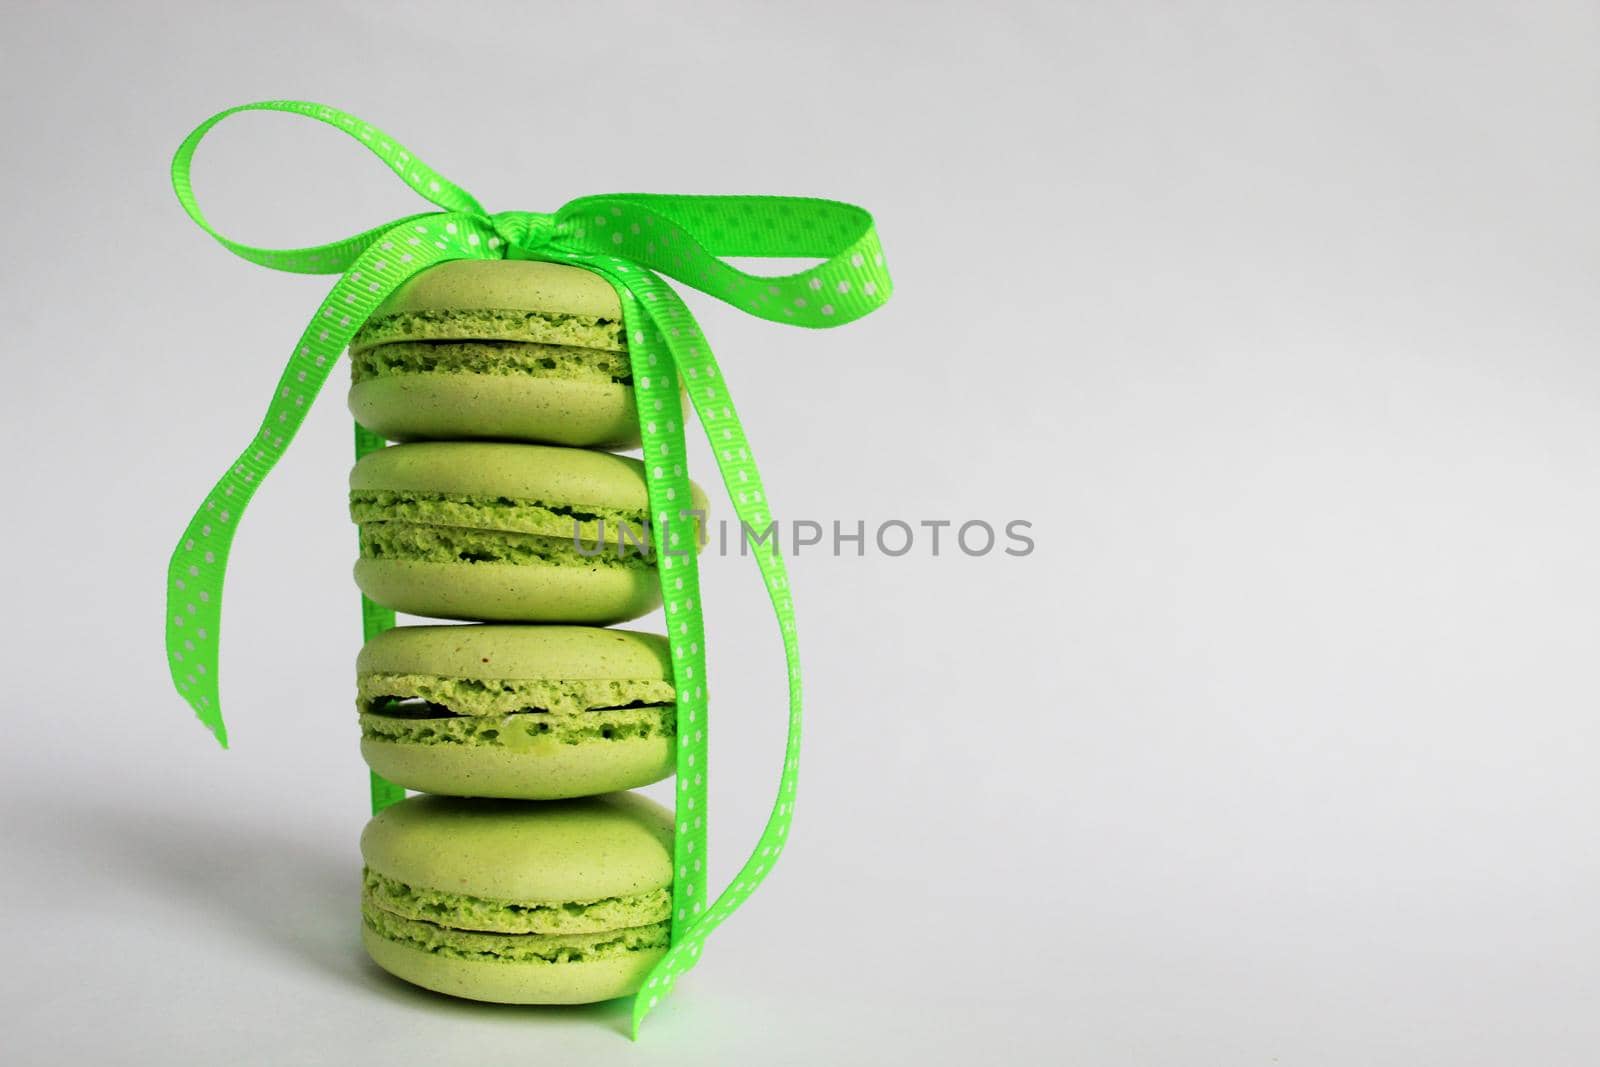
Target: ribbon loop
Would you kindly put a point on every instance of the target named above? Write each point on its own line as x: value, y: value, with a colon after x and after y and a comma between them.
x: 684, y: 237
x: 336, y: 256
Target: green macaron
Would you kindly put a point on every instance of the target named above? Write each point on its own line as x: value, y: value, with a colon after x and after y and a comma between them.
x: 503, y: 532
x: 497, y: 349
x: 529, y: 712
x: 519, y: 902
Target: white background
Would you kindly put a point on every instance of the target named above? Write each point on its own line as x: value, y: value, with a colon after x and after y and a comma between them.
x: 1277, y: 320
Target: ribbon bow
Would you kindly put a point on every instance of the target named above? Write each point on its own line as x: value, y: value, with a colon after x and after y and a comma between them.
x: 630, y: 239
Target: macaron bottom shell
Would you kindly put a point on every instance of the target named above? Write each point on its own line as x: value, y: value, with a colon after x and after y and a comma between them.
x: 553, y: 771
x: 513, y: 982
x: 467, y: 406
x: 512, y: 592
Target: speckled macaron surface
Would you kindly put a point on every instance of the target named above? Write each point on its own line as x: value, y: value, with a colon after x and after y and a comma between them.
x: 497, y: 349
x: 520, y: 902
x: 530, y: 712
x: 504, y: 532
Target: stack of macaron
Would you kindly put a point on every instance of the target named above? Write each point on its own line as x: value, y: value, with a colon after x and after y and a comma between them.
x: 527, y: 874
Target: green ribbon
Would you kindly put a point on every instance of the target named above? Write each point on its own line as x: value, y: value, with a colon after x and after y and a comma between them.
x: 630, y: 239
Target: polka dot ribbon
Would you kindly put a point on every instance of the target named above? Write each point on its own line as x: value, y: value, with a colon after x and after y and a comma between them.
x: 630, y: 239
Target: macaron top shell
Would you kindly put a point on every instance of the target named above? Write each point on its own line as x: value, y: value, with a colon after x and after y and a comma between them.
x: 588, y: 849
x: 507, y: 285
x: 570, y: 653
x: 544, y: 473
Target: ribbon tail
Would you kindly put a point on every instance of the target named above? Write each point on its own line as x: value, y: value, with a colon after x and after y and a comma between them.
x: 656, y: 395
x: 664, y: 332
x: 199, y: 562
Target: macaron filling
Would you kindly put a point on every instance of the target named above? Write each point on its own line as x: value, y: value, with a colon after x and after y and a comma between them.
x: 466, y: 912
x: 461, y: 926
x: 589, y: 524
x: 464, y: 927
x: 481, y: 947
x: 499, y: 696
x: 414, y: 723
x: 496, y: 358
x: 462, y: 528
x: 517, y: 714
x: 445, y: 544
x: 493, y: 324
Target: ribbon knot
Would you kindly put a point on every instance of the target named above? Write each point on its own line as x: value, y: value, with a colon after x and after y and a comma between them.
x: 522, y: 231
x: 630, y: 239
